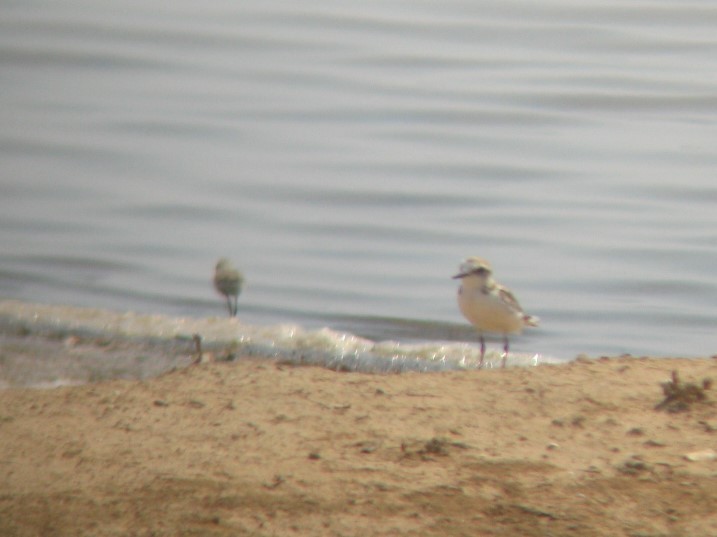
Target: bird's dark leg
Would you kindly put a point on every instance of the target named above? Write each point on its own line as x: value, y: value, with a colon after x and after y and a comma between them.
x: 505, y: 350
x: 229, y: 305
x: 198, y: 347
x: 482, y: 351
x: 235, y: 306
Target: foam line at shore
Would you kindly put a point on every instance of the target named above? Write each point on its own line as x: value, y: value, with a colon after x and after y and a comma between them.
x: 286, y: 342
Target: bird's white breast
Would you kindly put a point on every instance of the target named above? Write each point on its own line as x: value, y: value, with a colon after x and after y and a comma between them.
x: 487, y: 312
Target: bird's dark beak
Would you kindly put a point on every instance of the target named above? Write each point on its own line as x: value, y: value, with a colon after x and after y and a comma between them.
x: 459, y: 276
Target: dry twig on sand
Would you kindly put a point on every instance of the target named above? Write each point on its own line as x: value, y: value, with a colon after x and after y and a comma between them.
x: 680, y: 396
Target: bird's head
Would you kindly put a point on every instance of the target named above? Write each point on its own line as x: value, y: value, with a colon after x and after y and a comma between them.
x: 474, y: 267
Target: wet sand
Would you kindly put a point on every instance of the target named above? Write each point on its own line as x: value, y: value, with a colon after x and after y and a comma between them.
x: 255, y: 447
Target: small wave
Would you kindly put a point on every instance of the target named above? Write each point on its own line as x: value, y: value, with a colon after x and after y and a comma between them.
x: 288, y: 343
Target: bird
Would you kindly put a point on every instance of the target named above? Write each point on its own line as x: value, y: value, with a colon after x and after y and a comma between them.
x: 488, y: 305
x: 228, y: 281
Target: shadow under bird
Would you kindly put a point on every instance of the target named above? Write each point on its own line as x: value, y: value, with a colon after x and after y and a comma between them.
x: 489, y: 306
x: 228, y: 281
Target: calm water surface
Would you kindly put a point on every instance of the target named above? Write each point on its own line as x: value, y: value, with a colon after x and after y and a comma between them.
x: 347, y: 156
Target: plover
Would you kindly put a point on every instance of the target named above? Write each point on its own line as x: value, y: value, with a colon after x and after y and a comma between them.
x: 489, y: 306
x: 228, y: 282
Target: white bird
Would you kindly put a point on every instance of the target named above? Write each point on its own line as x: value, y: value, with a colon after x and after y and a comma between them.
x: 228, y: 281
x: 489, y: 306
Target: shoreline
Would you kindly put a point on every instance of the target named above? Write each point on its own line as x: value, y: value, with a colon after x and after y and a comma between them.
x: 260, y: 447
x: 90, y: 344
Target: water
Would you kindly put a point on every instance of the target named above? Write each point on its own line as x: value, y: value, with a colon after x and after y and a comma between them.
x: 48, y: 346
x: 348, y: 156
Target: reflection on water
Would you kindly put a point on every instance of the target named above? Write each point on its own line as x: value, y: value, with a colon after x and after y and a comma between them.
x: 348, y: 157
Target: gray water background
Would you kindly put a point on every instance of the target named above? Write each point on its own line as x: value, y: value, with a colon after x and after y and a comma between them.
x: 348, y: 155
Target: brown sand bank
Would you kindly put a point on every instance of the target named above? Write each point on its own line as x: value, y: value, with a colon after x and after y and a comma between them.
x: 262, y: 449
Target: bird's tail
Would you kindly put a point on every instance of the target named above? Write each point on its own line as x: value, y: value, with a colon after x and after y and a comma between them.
x: 531, y: 320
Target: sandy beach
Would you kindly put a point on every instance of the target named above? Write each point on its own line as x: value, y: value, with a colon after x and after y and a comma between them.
x: 255, y: 447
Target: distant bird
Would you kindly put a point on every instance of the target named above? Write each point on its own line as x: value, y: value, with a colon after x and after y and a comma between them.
x: 489, y: 306
x: 228, y: 282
